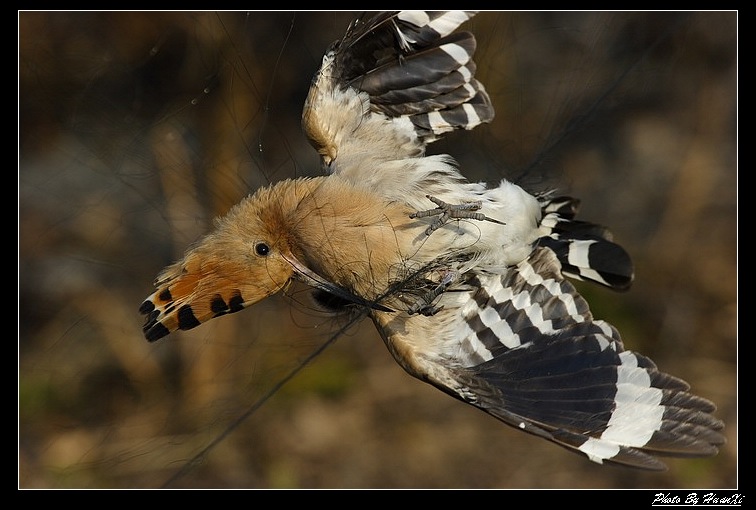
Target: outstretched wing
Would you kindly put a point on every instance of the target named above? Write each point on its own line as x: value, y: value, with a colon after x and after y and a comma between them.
x: 394, y: 83
x: 524, y: 347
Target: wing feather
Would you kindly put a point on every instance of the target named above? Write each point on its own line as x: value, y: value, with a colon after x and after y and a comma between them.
x: 402, y: 76
x: 555, y: 372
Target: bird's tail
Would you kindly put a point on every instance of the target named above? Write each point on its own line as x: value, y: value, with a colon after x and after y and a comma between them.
x: 585, y: 250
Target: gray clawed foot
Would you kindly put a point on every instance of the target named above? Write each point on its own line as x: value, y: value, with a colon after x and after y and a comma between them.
x: 446, y: 211
x: 424, y: 305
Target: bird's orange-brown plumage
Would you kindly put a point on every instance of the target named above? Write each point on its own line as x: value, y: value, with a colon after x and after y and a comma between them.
x: 318, y: 227
x: 471, y: 296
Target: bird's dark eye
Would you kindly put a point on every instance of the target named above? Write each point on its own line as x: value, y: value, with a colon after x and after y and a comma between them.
x: 262, y: 249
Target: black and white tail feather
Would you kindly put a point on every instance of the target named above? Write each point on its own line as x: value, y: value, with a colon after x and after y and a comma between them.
x: 516, y: 341
x: 585, y: 250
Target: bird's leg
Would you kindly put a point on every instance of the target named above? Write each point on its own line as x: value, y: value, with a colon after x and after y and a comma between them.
x: 424, y: 304
x: 445, y: 212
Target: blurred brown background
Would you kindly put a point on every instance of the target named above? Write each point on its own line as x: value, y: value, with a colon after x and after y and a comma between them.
x: 137, y: 129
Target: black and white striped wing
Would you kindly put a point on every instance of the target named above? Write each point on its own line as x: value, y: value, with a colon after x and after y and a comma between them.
x: 408, y: 68
x: 529, y: 352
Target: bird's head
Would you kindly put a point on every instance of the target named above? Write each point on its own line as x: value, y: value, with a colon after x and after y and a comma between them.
x: 251, y: 254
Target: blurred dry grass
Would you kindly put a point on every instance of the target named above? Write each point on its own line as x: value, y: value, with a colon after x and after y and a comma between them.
x: 136, y: 129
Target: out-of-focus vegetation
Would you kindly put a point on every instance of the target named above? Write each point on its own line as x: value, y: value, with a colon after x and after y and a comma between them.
x: 137, y: 129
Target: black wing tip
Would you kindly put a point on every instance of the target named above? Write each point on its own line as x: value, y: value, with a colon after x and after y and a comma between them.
x: 414, y: 64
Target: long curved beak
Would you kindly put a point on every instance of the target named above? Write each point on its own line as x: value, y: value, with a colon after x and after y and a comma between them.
x: 305, y: 275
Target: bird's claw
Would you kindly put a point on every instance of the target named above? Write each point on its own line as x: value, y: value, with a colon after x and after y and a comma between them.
x: 424, y: 305
x: 446, y: 212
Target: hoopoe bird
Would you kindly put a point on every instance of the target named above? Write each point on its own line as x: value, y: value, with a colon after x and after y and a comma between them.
x: 467, y: 283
